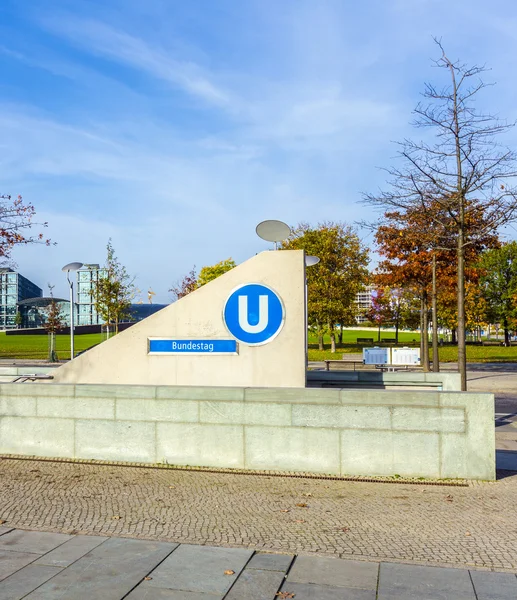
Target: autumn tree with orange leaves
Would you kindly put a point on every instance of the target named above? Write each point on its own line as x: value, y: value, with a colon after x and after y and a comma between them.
x: 407, y: 241
x: 16, y: 219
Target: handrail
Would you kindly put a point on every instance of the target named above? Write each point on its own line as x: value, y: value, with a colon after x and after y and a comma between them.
x: 31, y: 377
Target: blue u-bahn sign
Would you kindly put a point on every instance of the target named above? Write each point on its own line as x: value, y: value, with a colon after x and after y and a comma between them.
x: 254, y: 314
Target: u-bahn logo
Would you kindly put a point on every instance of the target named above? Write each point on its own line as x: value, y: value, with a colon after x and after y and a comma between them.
x: 254, y: 314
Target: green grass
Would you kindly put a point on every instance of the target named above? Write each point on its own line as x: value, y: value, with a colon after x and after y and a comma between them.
x: 350, y: 345
x: 36, y: 346
x: 476, y: 354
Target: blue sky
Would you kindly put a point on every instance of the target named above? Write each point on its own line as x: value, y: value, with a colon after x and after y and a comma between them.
x: 175, y: 126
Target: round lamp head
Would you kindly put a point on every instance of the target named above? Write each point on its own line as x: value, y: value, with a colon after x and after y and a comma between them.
x: 273, y: 231
x: 73, y: 266
x: 311, y: 260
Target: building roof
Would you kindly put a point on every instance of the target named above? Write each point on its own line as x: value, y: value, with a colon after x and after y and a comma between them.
x: 40, y: 301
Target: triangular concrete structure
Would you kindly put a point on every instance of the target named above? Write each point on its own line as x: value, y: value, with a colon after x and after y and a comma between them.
x: 278, y: 362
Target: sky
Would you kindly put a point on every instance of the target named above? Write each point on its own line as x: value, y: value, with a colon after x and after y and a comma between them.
x: 174, y: 127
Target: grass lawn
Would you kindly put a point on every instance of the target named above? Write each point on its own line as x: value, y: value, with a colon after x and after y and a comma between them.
x: 36, y: 346
x: 447, y: 353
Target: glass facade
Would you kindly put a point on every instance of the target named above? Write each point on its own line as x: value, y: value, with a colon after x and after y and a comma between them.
x: 87, y: 279
x: 13, y: 289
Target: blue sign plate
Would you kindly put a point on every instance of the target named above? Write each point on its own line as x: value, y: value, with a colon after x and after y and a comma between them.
x: 254, y: 314
x: 173, y: 346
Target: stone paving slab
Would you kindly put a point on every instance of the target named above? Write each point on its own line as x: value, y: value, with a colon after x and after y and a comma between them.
x: 254, y: 584
x: 200, y: 569
x: 108, y: 572
x: 10, y: 562
x: 32, y: 541
x: 70, y: 551
x: 4, y: 529
x: 331, y: 571
x: 26, y: 580
x: 120, y: 568
x: 494, y: 586
x: 307, y: 591
x: 407, y: 582
x: 270, y: 562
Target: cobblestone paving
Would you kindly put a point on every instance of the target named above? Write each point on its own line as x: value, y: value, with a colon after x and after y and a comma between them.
x: 472, y: 526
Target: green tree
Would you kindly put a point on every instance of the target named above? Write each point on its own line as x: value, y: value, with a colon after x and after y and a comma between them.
x: 499, y: 285
x: 210, y: 273
x: 114, y: 291
x: 54, y: 321
x: 333, y: 283
x: 18, y: 320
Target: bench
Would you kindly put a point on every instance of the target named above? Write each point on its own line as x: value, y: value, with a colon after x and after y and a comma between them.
x: 492, y: 343
x: 365, y: 341
x: 389, y: 340
x: 350, y: 361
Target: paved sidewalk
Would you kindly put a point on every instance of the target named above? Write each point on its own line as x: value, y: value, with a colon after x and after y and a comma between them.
x: 54, y: 566
x: 471, y: 526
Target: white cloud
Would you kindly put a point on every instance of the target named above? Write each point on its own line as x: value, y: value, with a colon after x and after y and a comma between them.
x: 103, y: 40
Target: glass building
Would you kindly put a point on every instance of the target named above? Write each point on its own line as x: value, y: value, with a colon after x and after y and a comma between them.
x: 34, y: 311
x: 13, y: 289
x: 87, y: 278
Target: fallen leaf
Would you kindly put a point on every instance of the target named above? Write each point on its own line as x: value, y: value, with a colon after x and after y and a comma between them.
x: 449, y: 498
x: 229, y: 572
x: 468, y: 533
x: 147, y: 578
x: 308, y: 494
x: 115, y: 517
x: 286, y: 594
x: 345, y: 529
x: 302, y: 505
x: 299, y: 521
x: 2, y: 521
x: 286, y: 510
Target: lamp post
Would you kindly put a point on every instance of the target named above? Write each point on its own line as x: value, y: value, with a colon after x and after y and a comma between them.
x: 310, y: 261
x: 73, y: 266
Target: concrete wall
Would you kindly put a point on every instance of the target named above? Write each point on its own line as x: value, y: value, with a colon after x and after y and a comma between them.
x: 344, y: 432
x: 385, y: 379
x: 281, y: 362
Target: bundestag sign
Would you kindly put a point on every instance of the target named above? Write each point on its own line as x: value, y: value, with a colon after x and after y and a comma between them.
x: 253, y: 314
x: 169, y: 346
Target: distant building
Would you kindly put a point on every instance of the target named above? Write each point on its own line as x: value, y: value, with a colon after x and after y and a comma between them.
x: 14, y: 288
x: 34, y: 311
x: 87, y: 279
x: 363, y: 302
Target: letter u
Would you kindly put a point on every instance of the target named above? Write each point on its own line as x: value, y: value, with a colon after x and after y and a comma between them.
x: 244, y: 316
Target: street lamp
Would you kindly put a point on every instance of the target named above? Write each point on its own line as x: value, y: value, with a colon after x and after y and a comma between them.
x: 310, y: 261
x: 73, y: 266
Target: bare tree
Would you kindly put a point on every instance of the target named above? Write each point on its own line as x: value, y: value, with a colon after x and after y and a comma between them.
x: 464, y: 170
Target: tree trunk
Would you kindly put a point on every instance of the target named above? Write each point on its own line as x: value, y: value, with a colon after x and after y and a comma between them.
x: 436, y: 358
x: 453, y: 336
x: 462, y: 347
x: 320, y: 341
x: 422, y: 331
x: 52, y: 355
x: 425, y: 332
x: 341, y: 335
x: 506, y: 332
x: 332, y: 339
x: 379, y: 333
